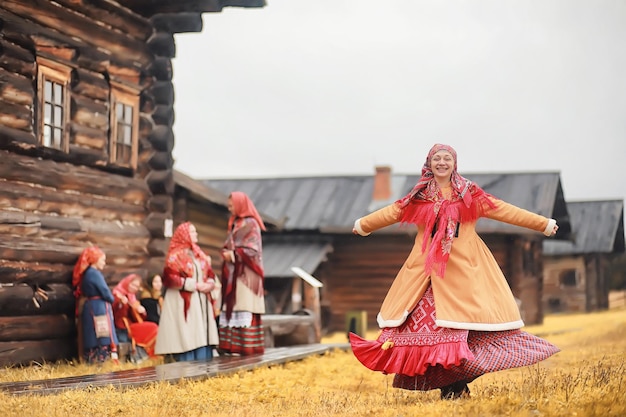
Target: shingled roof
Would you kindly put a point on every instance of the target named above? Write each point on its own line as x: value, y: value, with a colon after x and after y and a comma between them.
x: 598, y: 228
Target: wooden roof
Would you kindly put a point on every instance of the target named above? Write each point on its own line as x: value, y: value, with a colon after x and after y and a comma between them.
x: 598, y: 228
x: 331, y: 204
x: 182, y: 15
x: 207, y: 194
x: 280, y: 257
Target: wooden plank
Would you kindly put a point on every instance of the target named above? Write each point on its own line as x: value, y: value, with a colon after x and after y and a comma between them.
x: 17, y: 300
x: 70, y: 177
x: 16, y: 89
x: 172, y: 372
x: 51, y: 15
x: 13, y: 329
x: 27, y: 351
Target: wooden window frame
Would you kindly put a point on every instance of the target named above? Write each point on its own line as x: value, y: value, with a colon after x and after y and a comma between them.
x: 129, y: 97
x: 49, y: 70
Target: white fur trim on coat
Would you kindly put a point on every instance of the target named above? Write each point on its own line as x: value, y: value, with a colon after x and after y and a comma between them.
x: 512, y: 325
x: 357, y: 226
x: 549, y: 227
x: 382, y: 323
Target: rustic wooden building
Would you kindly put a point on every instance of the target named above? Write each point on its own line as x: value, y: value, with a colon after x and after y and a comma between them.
x: 577, y: 273
x: 86, y: 114
x: 356, y: 271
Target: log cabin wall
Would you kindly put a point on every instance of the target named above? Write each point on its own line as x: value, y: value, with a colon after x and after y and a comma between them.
x: 565, y: 285
x: 358, y: 274
x: 55, y: 202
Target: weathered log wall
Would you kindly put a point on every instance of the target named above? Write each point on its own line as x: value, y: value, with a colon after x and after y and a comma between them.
x: 54, y: 203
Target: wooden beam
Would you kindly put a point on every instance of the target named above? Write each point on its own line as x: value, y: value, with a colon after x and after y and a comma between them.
x: 163, y: 92
x: 90, y: 84
x: 69, y: 177
x: 161, y: 182
x: 161, y: 160
x: 112, y: 15
x: 36, y: 327
x: 162, y: 69
x: 54, y: 16
x: 25, y: 352
x: 17, y: 300
x: 16, y: 272
x: 16, y: 116
x: 11, y: 138
x: 162, y: 138
x: 16, y: 59
x: 89, y: 112
x: 177, y: 22
x: 162, y: 44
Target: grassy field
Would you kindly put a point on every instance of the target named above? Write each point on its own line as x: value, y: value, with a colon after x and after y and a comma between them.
x: 587, y: 378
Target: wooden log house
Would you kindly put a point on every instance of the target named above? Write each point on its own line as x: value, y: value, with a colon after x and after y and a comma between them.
x: 357, y: 271
x: 577, y: 274
x: 86, y: 114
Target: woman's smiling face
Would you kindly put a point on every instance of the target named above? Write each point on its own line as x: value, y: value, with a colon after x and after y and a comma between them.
x: 442, y: 165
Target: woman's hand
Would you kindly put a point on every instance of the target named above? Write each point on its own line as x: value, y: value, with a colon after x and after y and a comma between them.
x: 205, y: 287
x: 554, y: 230
x: 228, y: 255
x: 141, y: 309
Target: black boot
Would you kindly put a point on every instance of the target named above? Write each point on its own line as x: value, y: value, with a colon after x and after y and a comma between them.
x: 455, y: 391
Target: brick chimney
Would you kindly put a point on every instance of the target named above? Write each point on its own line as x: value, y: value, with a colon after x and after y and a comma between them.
x: 382, y: 183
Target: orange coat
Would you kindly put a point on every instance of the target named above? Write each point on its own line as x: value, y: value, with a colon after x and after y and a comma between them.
x: 474, y: 293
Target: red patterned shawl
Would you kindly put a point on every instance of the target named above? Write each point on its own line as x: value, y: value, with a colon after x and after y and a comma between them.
x: 179, y: 263
x: 426, y: 206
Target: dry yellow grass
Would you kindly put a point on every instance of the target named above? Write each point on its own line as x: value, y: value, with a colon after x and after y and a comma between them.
x: 586, y: 379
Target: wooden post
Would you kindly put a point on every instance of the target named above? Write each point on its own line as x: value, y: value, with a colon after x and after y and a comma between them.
x: 312, y: 298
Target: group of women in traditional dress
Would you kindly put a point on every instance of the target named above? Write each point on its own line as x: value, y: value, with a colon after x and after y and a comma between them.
x: 196, y: 314
x: 449, y: 316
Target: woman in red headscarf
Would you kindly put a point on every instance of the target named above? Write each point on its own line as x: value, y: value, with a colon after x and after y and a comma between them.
x: 241, y: 330
x: 449, y: 315
x: 187, y: 326
x: 97, y: 340
x: 130, y: 323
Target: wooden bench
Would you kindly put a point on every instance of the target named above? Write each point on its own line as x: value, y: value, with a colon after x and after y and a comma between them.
x: 289, y: 329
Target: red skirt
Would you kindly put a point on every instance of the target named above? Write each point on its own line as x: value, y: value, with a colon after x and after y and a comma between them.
x: 144, y: 334
x: 424, y: 356
x: 243, y: 340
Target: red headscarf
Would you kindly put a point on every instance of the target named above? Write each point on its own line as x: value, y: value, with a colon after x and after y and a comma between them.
x: 122, y: 288
x: 88, y: 257
x: 426, y: 188
x: 425, y: 205
x: 243, y: 207
x: 179, y: 263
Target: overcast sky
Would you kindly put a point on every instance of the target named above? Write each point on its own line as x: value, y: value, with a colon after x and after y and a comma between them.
x: 329, y: 87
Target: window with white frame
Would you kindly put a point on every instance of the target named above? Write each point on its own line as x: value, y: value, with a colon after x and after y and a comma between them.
x: 53, y: 104
x: 124, y: 124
